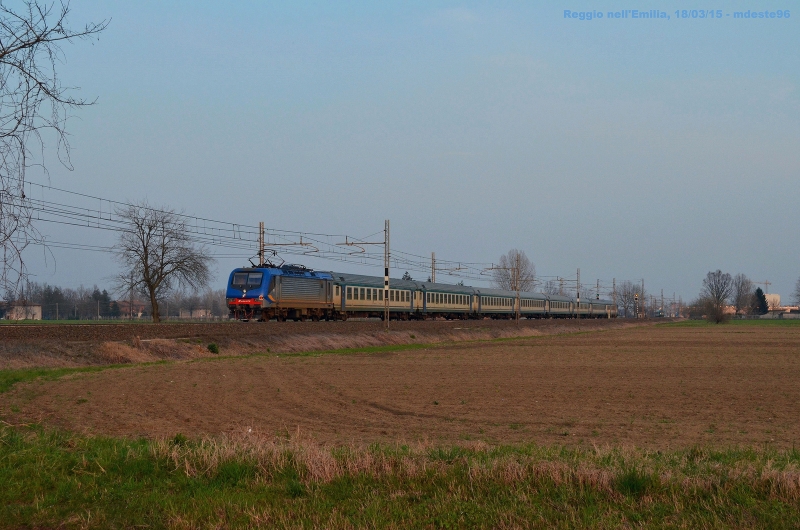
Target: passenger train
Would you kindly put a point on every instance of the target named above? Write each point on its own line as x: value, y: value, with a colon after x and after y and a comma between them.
x: 293, y: 292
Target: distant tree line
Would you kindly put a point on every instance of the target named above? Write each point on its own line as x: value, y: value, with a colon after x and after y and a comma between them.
x: 721, y: 290
x: 93, y: 303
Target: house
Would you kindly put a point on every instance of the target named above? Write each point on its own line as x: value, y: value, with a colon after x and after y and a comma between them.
x: 23, y: 311
x: 194, y: 313
x: 126, y: 310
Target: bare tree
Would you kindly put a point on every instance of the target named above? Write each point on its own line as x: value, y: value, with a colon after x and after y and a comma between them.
x: 32, y: 101
x: 515, y: 272
x: 797, y: 292
x: 627, y: 295
x: 717, y: 289
x: 551, y: 287
x: 157, y: 248
x: 742, y: 295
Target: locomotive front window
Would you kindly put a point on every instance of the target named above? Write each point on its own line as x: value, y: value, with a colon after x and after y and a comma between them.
x: 247, y: 279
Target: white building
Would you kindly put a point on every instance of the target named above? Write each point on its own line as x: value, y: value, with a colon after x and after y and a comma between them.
x: 773, y: 301
x: 24, y: 312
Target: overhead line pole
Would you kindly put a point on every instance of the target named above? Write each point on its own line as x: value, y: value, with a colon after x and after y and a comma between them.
x: 386, y: 275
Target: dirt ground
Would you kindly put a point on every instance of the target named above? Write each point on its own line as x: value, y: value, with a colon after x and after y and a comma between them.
x: 71, y: 345
x: 654, y: 386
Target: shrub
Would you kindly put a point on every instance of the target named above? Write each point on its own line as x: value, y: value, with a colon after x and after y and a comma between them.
x: 213, y: 348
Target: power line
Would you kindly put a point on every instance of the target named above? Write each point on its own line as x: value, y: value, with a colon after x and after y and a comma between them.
x: 232, y: 237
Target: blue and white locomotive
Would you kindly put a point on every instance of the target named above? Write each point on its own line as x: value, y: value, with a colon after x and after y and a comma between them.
x: 297, y: 293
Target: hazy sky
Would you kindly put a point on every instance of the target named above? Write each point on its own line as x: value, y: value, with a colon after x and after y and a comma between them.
x: 629, y: 148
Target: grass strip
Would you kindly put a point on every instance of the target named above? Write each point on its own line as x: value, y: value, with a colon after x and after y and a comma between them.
x: 733, y: 322
x: 9, y: 378
x: 59, y: 479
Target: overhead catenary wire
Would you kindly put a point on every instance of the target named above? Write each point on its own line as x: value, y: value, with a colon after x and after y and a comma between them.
x: 225, y: 238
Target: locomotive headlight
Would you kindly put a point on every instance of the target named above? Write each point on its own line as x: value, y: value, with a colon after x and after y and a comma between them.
x: 261, y: 297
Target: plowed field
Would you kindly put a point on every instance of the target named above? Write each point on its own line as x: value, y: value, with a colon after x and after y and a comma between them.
x: 656, y: 386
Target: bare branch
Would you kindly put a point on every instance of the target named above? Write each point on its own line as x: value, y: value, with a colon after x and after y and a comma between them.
x: 32, y: 101
x: 742, y: 295
x: 515, y: 272
x: 717, y: 289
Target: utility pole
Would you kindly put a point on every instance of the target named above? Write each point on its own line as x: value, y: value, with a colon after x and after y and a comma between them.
x: 578, y: 292
x: 130, y: 307
x: 433, y: 267
x: 614, y: 290
x: 386, y: 275
x: 56, y: 310
x: 261, y: 254
x: 598, y: 289
x: 662, y: 303
x: 561, y: 286
x: 516, y: 271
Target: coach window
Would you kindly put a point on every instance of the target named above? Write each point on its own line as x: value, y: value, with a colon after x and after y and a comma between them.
x: 369, y: 294
x: 349, y: 293
x: 337, y: 290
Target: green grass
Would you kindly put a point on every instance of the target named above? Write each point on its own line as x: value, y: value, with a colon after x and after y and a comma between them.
x: 9, y: 378
x: 55, y: 479
x: 143, y: 321
x: 732, y: 322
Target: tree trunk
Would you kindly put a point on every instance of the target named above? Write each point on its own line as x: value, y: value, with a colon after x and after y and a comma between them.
x: 154, y: 306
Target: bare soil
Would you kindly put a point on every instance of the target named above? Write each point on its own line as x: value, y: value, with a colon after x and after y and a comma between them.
x: 653, y: 386
x: 70, y: 345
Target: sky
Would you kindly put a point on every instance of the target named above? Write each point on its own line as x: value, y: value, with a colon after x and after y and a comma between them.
x: 629, y: 148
